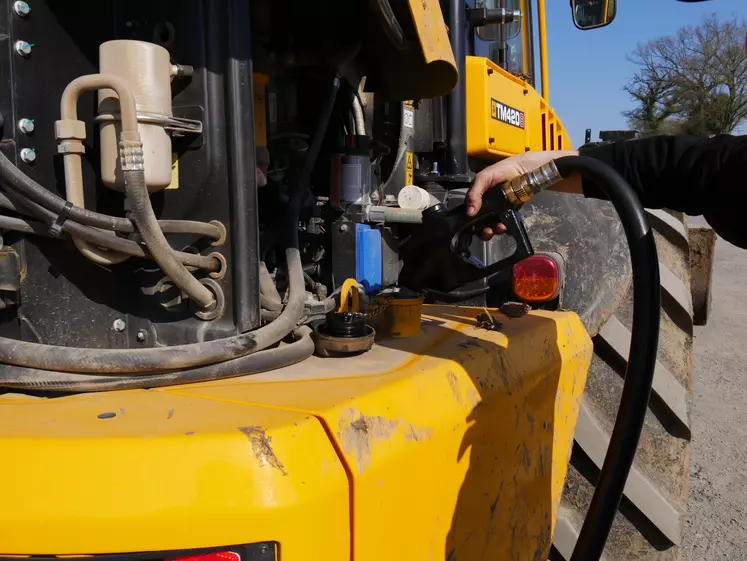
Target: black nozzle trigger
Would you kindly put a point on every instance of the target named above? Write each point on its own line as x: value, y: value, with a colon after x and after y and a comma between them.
x: 514, y: 227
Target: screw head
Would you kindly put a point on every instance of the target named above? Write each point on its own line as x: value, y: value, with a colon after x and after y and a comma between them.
x: 28, y: 155
x: 344, y: 228
x: 26, y: 126
x: 141, y: 335
x: 119, y: 325
x: 21, y: 8
x: 23, y: 48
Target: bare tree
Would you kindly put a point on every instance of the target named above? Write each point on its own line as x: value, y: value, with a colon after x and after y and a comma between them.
x: 694, y: 81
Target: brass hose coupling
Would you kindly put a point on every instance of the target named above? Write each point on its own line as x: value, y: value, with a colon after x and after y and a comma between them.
x: 522, y: 188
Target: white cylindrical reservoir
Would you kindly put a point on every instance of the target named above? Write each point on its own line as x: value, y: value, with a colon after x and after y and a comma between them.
x: 414, y: 197
x: 146, y: 67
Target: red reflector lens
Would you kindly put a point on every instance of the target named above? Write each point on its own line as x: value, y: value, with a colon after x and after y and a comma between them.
x: 536, y: 279
x: 215, y: 556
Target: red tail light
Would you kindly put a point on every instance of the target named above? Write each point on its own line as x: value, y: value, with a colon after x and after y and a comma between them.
x: 214, y: 556
x: 536, y: 279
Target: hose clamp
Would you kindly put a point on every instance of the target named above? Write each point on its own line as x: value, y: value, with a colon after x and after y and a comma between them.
x: 56, y: 228
x: 131, y: 155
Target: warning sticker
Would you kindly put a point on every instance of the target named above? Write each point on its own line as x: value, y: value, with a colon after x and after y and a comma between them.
x: 409, y: 169
x: 408, y: 118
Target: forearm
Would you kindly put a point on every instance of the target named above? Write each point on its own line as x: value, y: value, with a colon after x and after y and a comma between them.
x: 681, y: 173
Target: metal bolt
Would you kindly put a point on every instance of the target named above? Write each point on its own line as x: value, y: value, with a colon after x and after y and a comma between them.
x: 26, y: 126
x: 344, y: 228
x: 21, y: 8
x: 141, y: 335
x: 119, y: 325
x: 28, y: 155
x: 23, y: 48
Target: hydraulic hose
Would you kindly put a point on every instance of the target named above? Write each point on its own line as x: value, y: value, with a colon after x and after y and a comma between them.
x: 404, y: 139
x: 642, y: 356
x: 72, y: 157
x: 148, y: 361
x: 360, y: 118
x: 22, y: 184
x: 25, y: 226
x: 132, y: 164
x: 101, y: 238
x: 214, y: 230
x: 153, y: 236
x: 268, y: 292
x: 270, y: 359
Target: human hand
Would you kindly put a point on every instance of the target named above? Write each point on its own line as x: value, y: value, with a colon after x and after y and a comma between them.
x: 503, y: 171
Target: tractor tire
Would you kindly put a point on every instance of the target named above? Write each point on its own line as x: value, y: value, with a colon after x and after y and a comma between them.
x: 651, y: 518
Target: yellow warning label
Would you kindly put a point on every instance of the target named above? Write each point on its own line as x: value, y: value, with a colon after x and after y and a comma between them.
x: 408, y: 169
x: 174, y: 172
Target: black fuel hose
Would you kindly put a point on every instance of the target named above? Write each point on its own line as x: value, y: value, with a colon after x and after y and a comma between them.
x: 641, y: 359
x: 271, y: 359
x: 22, y: 184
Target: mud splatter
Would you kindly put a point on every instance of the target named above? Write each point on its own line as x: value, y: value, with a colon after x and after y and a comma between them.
x: 261, y: 447
x: 358, y: 436
x: 418, y: 434
x: 170, y: 414
x: 454, y: 385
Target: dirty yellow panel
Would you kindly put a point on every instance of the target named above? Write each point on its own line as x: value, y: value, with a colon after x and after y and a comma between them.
x: 457, y: 451
x: 151, y: 471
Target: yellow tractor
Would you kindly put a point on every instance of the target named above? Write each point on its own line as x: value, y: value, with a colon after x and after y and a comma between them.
x: 245, y: 317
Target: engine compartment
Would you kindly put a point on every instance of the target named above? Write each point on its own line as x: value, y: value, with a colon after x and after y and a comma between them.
x: 245, y: 129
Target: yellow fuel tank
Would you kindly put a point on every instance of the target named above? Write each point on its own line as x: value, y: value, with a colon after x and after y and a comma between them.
x: 452, y: 444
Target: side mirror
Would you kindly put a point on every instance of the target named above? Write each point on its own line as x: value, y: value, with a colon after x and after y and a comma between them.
x: 591, y: 14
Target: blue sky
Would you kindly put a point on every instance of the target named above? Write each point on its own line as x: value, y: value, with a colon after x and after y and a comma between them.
x: 588, y: 69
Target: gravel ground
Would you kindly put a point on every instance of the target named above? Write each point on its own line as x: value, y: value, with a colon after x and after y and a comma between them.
x: 717, y: 517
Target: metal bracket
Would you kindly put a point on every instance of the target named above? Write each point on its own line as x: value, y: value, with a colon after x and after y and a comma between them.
x: 10, y: 277
x: 177, y: 126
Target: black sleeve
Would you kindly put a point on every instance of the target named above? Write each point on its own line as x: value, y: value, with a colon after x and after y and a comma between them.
x: 694, y: 175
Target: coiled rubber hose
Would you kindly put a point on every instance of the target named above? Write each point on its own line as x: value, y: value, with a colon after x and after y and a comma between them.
x: 155, y: 240
x: 641, y: 360
x: 270, y: 359
x: 148, y: 361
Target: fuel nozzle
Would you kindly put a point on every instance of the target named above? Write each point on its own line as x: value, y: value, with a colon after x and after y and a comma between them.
x: 522, y: 188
